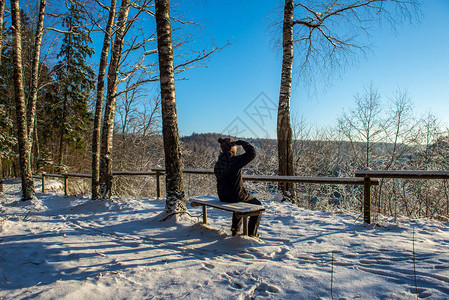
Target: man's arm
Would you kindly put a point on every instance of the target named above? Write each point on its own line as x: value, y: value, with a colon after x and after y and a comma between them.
x: 247, y: 157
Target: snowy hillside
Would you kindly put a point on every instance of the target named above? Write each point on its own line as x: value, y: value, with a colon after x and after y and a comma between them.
x: 73, y: 248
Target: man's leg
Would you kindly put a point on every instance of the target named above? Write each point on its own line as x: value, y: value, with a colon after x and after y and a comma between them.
x: 253, y: 224
x: 236, y: 224
x: 254, y: 221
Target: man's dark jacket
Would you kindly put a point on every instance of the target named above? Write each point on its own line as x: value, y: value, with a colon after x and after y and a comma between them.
x: 228, y: 171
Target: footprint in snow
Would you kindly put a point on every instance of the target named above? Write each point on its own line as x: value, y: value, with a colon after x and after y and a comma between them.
x: 232, y: 280
x: 265, y: 290
x: 268, y: 287
x: 320, y: 240
x: 247, y: 255
x: 422, y: 293
x: 257, y: 253
x: 281, y: 254
x: 237, y: 285
x: 209, y: 266
x: 233, y: 273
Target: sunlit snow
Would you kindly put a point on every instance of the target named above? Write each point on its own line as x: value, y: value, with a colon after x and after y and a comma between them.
x: 58, y: 247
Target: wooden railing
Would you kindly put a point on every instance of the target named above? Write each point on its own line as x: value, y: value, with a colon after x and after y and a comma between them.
x: 65, y: 176
x: 405, y: 174
x: 368, y: 176
x: 158, y: 172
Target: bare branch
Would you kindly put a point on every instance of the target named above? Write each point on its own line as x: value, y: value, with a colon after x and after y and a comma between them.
x: 199, y: 57
x: 61, y: 31
x: 144, y: 8
x: 105, y: 7
x: 327, y: 35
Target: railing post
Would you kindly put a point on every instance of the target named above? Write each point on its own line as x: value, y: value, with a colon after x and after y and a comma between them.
x: 204, y: 214
x: 158, y: 184
x: 66, y: 181
x: 43, y: 182
x: 367, y: 200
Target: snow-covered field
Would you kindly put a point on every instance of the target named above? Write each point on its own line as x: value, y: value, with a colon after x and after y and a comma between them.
x: 72, y: 248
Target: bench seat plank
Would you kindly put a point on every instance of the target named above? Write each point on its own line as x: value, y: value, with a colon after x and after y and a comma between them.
x: 237, y: 207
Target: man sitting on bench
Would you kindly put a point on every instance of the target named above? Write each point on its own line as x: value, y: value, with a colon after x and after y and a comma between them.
x: 228, y: 171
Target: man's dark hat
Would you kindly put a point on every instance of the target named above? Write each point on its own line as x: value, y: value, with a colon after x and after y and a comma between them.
x: 226, y: 144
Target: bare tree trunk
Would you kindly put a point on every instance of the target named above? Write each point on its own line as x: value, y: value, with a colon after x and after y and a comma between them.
x: 2, y: 11
x: 109, y: 113
x: 35, y: 140
x: 1, y: 176
x: 96, y: 138
x: 24, y: 145
x: 35, y: 70
x: 61, y: 137
x: 175, y: 198
x: 284, y: 130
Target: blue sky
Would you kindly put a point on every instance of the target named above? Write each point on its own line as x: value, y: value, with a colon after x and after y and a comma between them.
x: 246, y: 74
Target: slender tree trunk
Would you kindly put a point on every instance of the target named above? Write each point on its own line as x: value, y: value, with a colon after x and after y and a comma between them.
x: 367, y: 148
x: 35, y: 140
x: 175, y: 198
x: 61, y: 136
x: 96, y: 138
x: 2, y: 11
x: 284, y: 129
x: 1, y: 175
x: 35, y: 70
x: 24, y: 145
x: 109, y: 113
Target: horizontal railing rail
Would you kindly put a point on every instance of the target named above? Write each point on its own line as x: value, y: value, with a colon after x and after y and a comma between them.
x: 277, y: 178
x: 405, y: 174
x: 158, y: 172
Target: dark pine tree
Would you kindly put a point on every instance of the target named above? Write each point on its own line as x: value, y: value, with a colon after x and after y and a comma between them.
x: 75, y: 82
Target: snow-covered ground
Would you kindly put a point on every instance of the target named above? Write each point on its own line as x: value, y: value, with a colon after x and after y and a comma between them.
x: 73, y: 248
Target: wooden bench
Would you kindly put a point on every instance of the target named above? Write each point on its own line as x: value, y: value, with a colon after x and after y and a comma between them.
x: 240, y: 209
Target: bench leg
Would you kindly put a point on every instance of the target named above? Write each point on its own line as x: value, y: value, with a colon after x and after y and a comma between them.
x: 204, y: 214
x: 245, y: 225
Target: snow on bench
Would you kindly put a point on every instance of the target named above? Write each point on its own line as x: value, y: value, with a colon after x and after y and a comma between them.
x: 240, y: 209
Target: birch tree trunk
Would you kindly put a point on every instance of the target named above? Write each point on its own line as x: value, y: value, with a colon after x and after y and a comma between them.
x: 2, y: 12
x: 109, y: 113
x: 24, y: 145
x: 175, y: 198
x: 96, y: 138
x: 35, y: 70
x: 32, y: 135
x: 284, y: 129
